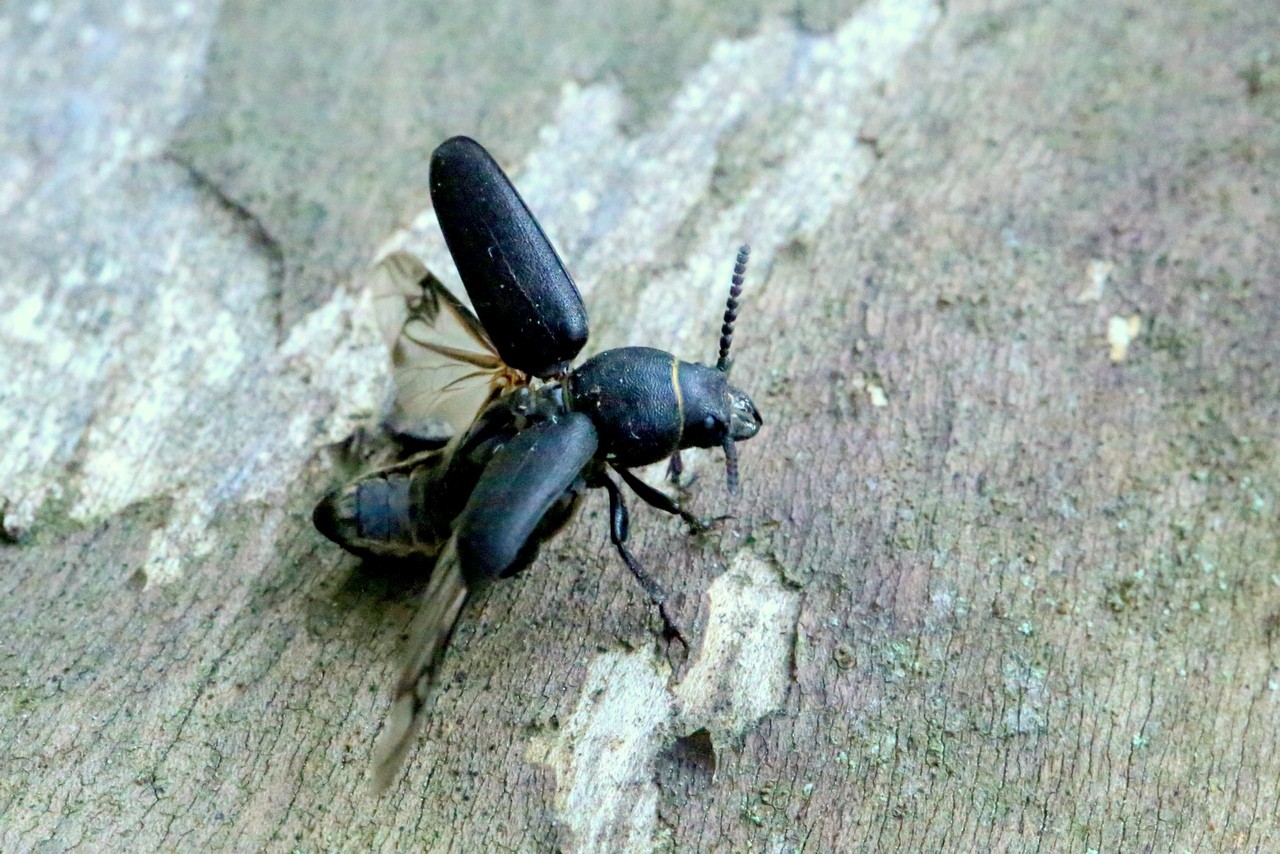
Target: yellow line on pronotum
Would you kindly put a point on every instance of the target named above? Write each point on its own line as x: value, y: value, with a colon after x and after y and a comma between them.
x: 675, y: 382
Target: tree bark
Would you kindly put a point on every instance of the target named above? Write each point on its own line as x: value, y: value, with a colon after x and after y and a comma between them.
x: 1004, y: 571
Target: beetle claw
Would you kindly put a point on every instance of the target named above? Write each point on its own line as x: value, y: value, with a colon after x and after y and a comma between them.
x: 670, y: 628
x: 701, y: 526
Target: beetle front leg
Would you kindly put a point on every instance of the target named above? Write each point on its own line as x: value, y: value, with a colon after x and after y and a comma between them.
x: 675, y: 468
x: 660, y: 500
x: 619, y: 525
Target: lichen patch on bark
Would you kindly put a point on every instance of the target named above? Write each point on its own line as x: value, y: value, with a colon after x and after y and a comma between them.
x: 741, y: 670
x: 626, y: 715
x: 608, y: 744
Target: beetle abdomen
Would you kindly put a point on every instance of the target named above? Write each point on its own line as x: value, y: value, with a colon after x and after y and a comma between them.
x: 632, y: 395
x: 390, y: 514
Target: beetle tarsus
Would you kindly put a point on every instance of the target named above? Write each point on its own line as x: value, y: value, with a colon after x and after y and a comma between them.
x: 658, y: 596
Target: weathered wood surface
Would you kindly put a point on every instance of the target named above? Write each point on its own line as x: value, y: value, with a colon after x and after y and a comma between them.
x: 999, y: 578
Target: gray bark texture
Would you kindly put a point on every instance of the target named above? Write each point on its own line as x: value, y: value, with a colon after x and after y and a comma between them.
x: 1004, y: 572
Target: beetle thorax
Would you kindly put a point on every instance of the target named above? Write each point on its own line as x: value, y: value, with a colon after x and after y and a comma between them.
x: 633, y: 397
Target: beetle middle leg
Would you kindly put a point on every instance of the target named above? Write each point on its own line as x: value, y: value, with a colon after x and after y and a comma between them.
x: 619, y: 529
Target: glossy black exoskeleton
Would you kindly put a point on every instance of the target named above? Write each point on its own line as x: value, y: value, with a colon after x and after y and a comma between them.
x: 527, y: 433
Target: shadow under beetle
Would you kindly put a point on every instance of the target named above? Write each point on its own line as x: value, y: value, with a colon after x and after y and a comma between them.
x: 526, y: 433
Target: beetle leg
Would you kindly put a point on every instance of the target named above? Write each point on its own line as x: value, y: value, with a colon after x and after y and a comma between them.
x: 618, y: 531
x: 659, y: 499
x: 675, y: 468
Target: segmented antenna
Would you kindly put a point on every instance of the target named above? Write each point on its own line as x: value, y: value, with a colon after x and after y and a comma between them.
x: 724, y: 363
x: 731, y: 464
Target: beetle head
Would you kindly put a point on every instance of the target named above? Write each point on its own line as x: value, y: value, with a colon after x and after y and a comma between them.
x: 744, y: 418
x: 716, y: 414
x: 744, y: 422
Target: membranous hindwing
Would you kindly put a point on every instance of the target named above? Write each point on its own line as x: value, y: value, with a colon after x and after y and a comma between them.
x: 447, y: 375
x: 444, y: 365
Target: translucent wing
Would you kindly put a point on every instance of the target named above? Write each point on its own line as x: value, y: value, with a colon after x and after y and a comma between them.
x: 445, y: 367
x: 428, y: 638
x: 529, y: 489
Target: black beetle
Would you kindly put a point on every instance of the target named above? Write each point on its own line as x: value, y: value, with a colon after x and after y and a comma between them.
x: 528, y: 434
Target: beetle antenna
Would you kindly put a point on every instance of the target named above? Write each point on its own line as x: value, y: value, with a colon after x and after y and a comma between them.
x: 724, y: 363
x: 731, y: 464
